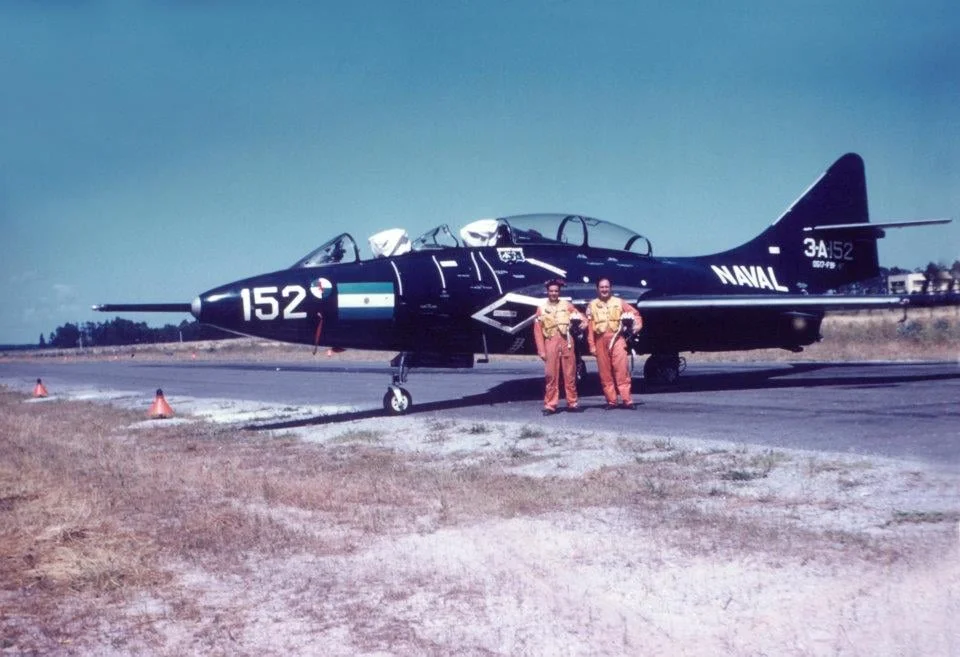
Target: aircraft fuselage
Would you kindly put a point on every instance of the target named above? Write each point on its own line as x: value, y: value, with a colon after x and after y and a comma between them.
x: 477, y: 300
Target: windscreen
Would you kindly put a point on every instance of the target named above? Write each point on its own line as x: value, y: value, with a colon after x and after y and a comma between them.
x: 341, y: 249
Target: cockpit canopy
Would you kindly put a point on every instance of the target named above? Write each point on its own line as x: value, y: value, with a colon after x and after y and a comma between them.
x: 571, y: 230
x: 516, y: 230
x: 436, y: 238
x: 341, y: 249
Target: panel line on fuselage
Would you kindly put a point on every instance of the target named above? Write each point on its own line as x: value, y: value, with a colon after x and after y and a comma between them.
x: 495, y: 277
x: 399, y: 280
x: 476, y: 267
x: 443, y: 280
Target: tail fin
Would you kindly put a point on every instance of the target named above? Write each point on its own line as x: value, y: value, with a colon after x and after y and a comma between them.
x: 821, y: 242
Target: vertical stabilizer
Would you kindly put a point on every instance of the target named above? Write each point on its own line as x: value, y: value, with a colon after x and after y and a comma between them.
x: 821, y: 242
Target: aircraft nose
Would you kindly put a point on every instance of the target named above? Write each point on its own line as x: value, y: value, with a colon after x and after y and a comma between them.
x: 195, y: 306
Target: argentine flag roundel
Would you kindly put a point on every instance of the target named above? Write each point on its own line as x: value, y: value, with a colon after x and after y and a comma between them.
x: 365, y: 300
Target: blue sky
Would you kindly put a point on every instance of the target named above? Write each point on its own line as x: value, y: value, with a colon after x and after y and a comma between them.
x: 152, y: 150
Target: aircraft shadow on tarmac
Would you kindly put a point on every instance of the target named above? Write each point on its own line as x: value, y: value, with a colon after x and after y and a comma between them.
x: 531, y: 388
x: 769, y: 378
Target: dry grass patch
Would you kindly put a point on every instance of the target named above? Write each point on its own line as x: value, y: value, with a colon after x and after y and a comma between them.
x: 925, y: 334
x: 917, y: 517
x: 60, y: 527
x: 359, y: 436
x: 197, y: 539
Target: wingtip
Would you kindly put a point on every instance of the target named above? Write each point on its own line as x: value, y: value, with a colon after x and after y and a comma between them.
x: 143, y: 307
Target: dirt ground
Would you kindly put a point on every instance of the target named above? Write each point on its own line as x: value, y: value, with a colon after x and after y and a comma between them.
x: 424, y: 536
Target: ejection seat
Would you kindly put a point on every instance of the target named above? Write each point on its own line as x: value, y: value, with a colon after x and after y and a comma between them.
x: 389, y: 243
x: 486, y: 232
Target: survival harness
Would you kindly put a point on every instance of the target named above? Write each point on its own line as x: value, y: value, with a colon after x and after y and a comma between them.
x: 606, y: 315
x: 556, y: 317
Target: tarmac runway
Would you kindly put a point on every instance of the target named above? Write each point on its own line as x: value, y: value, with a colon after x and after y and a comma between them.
x: 900, y: 410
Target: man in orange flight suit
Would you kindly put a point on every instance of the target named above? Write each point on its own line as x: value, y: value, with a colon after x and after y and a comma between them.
x: 551, y: 332
x: 608, y: 318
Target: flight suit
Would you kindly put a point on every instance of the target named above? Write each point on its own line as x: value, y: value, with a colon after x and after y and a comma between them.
x: 551, y: 332
x: 610, y: 346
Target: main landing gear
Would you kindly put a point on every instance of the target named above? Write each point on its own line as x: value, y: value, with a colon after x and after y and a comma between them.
x: 397, y: 400
x: 663, y: 369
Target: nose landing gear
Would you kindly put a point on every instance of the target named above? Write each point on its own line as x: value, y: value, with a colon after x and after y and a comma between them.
x: 397, y: 400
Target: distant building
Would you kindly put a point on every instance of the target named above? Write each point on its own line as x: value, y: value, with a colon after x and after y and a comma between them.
x: 917, y: 283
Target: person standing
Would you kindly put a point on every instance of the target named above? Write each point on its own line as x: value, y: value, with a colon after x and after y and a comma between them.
x: 610, y: 320
x: 552, y: 328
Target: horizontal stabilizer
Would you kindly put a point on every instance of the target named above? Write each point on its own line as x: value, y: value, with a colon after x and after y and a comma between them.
x: 862, y: 226
x: 143, y: 308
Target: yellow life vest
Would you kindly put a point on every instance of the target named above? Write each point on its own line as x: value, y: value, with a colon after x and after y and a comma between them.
x: 555, y: 317
x: 606, y: 315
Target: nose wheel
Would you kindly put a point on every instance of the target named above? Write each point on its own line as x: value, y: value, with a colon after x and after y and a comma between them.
x: 397, y: 400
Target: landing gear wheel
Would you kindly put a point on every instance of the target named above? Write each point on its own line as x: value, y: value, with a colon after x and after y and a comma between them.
x: 662, y: 369
x: 397, y: 401
x: 581, y: 371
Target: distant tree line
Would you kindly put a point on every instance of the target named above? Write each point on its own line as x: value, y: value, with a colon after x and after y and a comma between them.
x: 124, y: 332
x: 878, y: 284
x: 875, y: 285
x: 934, y: 271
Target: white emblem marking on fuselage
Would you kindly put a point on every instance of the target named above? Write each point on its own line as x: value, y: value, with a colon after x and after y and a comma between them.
x: 759, y: 278
x: 318, y: 286
x: 483, y: 315
x: 510, y: 255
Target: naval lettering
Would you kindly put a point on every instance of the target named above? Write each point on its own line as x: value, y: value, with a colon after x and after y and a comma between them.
x: 759, y: 278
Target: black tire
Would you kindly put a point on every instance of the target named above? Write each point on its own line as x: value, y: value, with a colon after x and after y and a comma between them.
x: 397, y: 407
x: 661, y: 369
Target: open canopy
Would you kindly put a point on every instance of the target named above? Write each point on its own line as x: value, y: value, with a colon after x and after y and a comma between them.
x: 569, y: 229
x: 517, y: 230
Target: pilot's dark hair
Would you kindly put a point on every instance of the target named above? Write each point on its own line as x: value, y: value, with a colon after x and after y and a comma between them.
x: 559, y: 282
x: 602, y: 279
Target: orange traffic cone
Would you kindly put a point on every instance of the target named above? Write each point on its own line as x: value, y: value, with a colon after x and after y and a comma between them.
x: 39, y: 390
x: 160, y: 408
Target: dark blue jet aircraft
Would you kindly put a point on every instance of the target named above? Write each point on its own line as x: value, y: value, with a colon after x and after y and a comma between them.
x: 446, y: 296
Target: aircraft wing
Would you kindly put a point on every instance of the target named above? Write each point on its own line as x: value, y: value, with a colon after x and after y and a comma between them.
x: 797, y: 301
x: 142, y: 307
